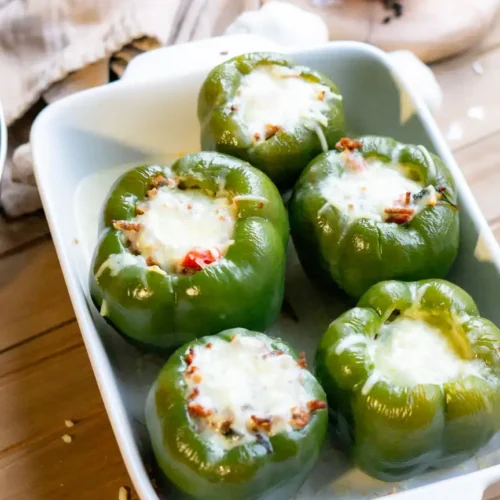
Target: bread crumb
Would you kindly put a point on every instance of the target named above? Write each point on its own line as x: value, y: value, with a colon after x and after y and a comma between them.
x: 67, y: 438
x: 69, y: 423
x: 123, y: 493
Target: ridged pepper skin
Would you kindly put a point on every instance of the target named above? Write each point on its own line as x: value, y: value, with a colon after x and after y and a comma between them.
x: 161, y: 311
x: 394, y: 431
x: 284, y: 155
x: 250, y: 471
x: 354, y: 255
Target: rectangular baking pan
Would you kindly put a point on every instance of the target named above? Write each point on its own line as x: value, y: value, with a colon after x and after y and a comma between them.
x: 80, y: 145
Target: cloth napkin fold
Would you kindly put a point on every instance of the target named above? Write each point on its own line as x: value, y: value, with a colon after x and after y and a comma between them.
x: 52, y: 48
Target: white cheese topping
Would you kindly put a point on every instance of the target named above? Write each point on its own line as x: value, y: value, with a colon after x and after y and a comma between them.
x: 410, y: 351
x: 238, y: 380
x: 274, y: 97
x: 175, y: 222
x: 374, y: 190
x: 116, y: 262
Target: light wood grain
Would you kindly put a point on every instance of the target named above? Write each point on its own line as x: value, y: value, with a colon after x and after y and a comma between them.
x: 480, y: 159
x: 465, y: 90
x: 33, y: 295
x: 480, y: 163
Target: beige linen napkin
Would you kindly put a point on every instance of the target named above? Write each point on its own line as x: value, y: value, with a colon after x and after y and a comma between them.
x: 52, y: 48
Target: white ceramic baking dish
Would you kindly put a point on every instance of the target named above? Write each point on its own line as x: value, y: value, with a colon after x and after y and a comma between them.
x: 79, y: 144
x: 3, y: 140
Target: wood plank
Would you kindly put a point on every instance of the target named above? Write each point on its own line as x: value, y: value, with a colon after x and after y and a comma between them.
x: 480, y: 158
x: 51, y: 368
x: 465, y: 93
x: 43, y: 383
x: 33, y: 295
x: 89, y: 468
x: 18, y: 232
x: 480, y: 164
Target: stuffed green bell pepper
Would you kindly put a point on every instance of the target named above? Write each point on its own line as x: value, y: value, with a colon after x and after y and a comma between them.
x: 262, y: 108
x: 374, y: 210
x: 236, y: 416
x: 412, y: 375
x: 183, y: 249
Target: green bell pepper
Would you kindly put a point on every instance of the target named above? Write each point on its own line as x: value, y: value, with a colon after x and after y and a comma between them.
x: 340, y: 245
x: 203, y: 450
x: 398, y: 420
x: 281, y: 149
x: 163, y: 309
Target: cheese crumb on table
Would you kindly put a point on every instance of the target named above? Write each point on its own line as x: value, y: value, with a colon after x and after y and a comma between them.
x: 123, y: 493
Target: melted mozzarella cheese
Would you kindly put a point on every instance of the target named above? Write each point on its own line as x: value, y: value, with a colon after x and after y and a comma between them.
x: 240, y: 379
x: 410, y: 351
x: 369, y: 191
x: 176, y: 221
x: 273, y: 95
x: 116, y: 262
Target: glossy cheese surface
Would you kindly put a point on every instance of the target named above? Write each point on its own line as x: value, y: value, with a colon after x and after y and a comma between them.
x: 177, y: 221
x: 241, y: 383
x: 372, y: 189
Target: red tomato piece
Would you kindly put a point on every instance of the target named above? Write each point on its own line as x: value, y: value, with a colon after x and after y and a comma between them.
x: 197, y: 258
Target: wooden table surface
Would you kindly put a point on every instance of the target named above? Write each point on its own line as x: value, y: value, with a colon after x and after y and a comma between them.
x: 45, y: 375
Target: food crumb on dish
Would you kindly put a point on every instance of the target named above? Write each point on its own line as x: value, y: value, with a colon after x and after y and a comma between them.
x: 123, y: 493
x: 67, y: 438
x: 75, y: 241
x: 224, y: 52
x: 477, y: 67
x: 69, y: 423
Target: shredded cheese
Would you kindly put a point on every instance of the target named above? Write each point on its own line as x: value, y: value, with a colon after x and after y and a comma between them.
x: 116, y: 262
x: 273, y: 98
x: 374, y: 190
x: 242, y: 391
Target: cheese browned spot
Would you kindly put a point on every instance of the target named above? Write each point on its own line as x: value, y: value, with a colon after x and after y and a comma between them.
x: 273, y: 98
x: 247, y: 391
